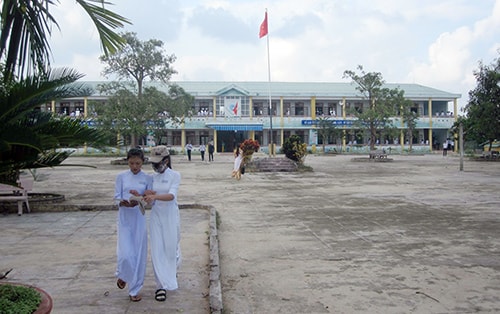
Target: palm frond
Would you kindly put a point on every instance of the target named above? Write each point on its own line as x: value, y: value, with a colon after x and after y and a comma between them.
x: 22, y: 96
x: 25, y: 28
x: 105, y: 21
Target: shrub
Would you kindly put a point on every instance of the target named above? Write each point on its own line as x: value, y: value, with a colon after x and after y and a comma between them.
x: 294, y: 149
x: 18, y: 299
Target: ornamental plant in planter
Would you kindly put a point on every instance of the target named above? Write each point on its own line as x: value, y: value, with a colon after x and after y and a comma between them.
x: 23, y: 299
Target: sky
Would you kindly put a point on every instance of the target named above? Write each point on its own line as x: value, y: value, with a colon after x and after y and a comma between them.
x: 436, y: 43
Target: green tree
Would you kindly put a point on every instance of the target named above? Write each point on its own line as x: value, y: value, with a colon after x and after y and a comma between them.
x: 326, y: 130
x: 410, y: 118
x: 137, y: 110
x: 381, y: 102
x: 126, y: 113
x: 140, y: 61
x: 26, y: 28
x: 30, y: 138
x: 483, y: 109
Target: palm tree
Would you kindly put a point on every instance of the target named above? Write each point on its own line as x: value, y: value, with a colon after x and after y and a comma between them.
x: 26, y: 26
x: 29, y: 138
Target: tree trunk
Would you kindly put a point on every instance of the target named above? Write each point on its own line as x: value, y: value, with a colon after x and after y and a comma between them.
x: 373, y: 132
x: 410, y: 138
x: 133, y: 140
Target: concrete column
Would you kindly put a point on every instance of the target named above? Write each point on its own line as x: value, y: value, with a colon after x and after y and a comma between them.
x: 429, y: 104
x: 215, y: 141
x: 183, y: 138
x: 343, y: 131
x: 85, y: 107
x: 214, y: 108
x: 402, y: 133
x: 250, y: 106
x: 313, y: 108
x: 455, y: 117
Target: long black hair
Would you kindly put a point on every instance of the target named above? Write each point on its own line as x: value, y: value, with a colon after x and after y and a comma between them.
x: 169, y: 163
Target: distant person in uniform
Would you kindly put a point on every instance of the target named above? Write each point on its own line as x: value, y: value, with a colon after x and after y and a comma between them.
x: 211, y: 150
x: 189, y: 148
x: 202, y: 152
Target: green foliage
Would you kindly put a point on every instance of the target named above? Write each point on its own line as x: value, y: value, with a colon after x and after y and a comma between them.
x: 18, y: 299
x: 409, y: 117
x: 27, y: 25
x: 130, y: 115
x: 30, y: 138
x: 383, y: 102
x: 482, y: 122
x: 140, y: 61
x: 294, y: 149
x: 326, y: 130
x: 134, y: 109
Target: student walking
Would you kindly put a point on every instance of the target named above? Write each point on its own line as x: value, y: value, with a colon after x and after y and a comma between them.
x: 132, y: 244
x: 189, y: 148
x: 202, y: 152
x: 164, y: 222
x: 211, y: 150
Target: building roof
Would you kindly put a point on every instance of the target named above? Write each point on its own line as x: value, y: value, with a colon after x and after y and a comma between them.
x: 292, y: 89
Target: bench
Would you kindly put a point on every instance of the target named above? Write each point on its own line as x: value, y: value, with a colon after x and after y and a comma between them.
x: 378, y: 154
x: 491, y: 154
x: 19, y: 194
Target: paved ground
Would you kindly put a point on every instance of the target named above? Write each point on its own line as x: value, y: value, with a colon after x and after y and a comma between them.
x: 415, y: 235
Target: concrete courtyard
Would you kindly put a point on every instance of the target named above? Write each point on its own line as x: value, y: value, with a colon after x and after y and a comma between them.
x: 414, y: 235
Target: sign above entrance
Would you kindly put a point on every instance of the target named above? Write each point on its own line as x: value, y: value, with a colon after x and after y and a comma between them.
x: 235, y: 127
x: 333, y: 122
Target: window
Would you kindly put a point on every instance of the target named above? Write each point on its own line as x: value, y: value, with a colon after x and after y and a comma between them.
x: 257, y: 109
x: 358, y: 107
x: 287, y: 108
x: 299, y: 109
x: 176, y: 137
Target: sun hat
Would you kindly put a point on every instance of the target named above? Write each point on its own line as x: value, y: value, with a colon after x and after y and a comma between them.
x: 158, y: 152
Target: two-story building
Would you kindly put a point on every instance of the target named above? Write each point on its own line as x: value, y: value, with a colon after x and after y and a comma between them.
x: 229, y: 112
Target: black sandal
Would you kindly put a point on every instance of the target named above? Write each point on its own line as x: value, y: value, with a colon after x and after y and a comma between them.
x: 160, y: 295
x: 120, y: 283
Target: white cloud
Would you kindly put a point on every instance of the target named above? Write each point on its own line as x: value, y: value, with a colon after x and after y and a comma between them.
x: 434, y: 43
x: 447, y: 56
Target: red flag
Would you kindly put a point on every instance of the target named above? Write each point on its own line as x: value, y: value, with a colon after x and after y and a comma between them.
x: 263, y: 27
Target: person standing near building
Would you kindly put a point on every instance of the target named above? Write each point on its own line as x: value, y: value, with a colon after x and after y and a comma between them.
x: 211, y: 150
x: 451, y: 145
x: 202, y: 152
x: 445, y: 147
x: 189, y: 148
x: 164, y: 222
x: 132, y: 244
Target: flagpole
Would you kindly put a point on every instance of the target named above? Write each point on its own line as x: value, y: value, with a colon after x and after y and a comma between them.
x: 271, y: 147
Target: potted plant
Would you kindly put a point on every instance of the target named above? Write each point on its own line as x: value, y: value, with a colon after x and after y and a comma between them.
x: 20, y: 298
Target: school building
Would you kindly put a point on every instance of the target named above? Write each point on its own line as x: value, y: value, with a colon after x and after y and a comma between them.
x: 230, y: 112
